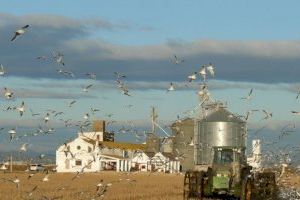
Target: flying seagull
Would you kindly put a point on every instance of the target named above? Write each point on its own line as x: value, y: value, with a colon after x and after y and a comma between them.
x: 8, y: 94
x: 210, y: 68
x: 202, y: 72
x: 86, y: 89
x: 24, y: 147
x: 177, y: 60
x: 171, y: 87
x: 59, y: 57
x: 2, y: 71
x: 267, y: 114
x: 296, y: 112
x: 47, y: 118
x: 21, y: 109
x: 249, y: 96
x: 19, y: 32
x: 71, y: 103
x: 91, y: 75
x: 192, y: 77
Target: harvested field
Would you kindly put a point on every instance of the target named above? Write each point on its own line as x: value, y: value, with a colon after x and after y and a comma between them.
x: 124, y: 186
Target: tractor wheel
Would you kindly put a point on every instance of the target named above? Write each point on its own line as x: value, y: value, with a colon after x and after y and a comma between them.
x: 247, y: 190
x: 200, y: 185
x: 186, y: 186
x: 265, y: 186
x: 193, y: 185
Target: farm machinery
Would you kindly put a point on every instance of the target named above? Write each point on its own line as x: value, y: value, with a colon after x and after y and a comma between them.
x: 229, y: 177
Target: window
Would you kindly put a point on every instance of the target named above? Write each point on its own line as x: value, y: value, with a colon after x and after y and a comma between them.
x: 125, y: 154
x: 224, y: 156
x: 78, y: 147
x: 78, y: 162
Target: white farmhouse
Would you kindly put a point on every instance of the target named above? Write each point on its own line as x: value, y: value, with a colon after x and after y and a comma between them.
x: 91, y: 152
x: 142, y: 161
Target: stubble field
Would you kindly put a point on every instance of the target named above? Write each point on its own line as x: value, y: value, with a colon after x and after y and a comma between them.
x: 133, y: 186
x: 124, y: 186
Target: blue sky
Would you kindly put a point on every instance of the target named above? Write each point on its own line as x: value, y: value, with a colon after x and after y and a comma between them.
x: 252, y: 45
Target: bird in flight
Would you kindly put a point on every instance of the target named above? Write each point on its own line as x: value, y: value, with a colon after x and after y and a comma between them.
x: 24, y: 147
x: 119, y: 75
x: 71, y: 103
x: 19, y: 32
x: 58, y: 57
x: 86, y: 89
x: 47, y: 117
x: 249, y: 96
x: 91, y: 75
x: 171, y: 87
x: 192, y: 77
x: 176, y: 60
x: 2, y: 70
x: 8, y: 94
x: 298, y: 94
x: 94, y: 110
x: 21, y: 108
x: 210, y: 68
x: 268, y: 115
x: 202, y: 72
x: 296, y: 112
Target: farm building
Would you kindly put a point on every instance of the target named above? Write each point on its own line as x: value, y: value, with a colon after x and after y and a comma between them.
x: 149, y: 161
x: 91, y: 152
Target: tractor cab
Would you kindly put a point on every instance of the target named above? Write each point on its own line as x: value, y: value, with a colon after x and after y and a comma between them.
x: 226, y: 169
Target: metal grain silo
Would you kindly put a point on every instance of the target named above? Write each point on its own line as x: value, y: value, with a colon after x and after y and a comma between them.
x: 152, y: 143
x: 218, y: 129
x: 167, y: 145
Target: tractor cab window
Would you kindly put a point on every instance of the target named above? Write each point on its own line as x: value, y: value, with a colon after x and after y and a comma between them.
x: 223, y: 156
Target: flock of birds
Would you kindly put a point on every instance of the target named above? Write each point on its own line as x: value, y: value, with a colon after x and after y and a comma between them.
x: 205, y: 71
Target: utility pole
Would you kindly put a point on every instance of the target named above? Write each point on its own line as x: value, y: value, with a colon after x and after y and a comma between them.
x: 153, y: 119
x: 10, y: 163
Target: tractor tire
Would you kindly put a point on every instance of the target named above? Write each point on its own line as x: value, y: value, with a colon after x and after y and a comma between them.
x: 265, y: 186
x: 200, y: 185
x: 186, y: 185
x: 247, y: 192
x: 193, y: 185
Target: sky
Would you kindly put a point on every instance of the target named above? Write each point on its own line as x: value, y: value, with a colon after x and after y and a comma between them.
x: 251, y: 44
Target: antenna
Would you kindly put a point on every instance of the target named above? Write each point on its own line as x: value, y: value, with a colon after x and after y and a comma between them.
x: 153, y: 119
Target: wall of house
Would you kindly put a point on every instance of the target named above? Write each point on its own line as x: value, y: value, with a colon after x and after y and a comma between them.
x: 83, y: 153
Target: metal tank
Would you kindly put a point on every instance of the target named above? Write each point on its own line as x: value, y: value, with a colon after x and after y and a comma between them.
x: 218, y: 128
x: 183, y: 133
x: 167, y: 145
x: 152, y: 143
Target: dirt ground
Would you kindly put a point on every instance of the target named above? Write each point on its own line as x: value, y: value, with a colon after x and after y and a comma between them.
x: 125, y: 186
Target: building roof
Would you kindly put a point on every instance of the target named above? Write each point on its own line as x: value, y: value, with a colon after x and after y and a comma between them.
x: 222, y: 115
x: 119, y: 145
x: 113, y: 156
x: 150, y: 154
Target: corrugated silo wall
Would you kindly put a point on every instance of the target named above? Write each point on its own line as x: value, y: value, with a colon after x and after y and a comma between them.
x: 168, y: 145
x: 214, y: 134
x: 183, y: 132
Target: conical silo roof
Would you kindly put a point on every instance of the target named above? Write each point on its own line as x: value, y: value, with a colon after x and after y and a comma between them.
x: 222, y: 115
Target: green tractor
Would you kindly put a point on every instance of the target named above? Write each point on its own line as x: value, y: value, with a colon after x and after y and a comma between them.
x: 229, y: 177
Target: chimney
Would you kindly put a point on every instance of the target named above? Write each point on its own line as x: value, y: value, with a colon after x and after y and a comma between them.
x: 99, y: 126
